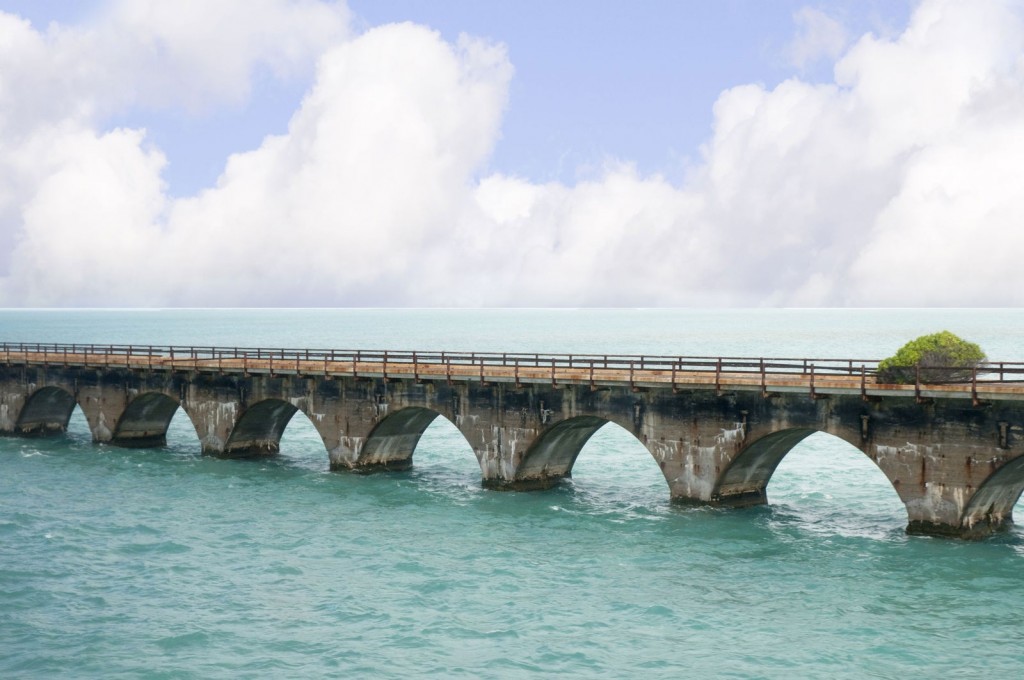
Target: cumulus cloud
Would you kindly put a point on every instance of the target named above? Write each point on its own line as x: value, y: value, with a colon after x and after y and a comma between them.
x: 190, y: 54
x: 893, y: 185
x: 57, y: 85
x: 371, y: 173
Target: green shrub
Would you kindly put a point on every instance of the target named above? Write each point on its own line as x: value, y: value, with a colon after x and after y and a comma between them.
x: 942, y: 357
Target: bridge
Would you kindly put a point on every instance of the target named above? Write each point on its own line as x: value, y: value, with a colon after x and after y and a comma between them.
x: 717, y: 427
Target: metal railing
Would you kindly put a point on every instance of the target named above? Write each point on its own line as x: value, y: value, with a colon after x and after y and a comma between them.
x: 166, y: 355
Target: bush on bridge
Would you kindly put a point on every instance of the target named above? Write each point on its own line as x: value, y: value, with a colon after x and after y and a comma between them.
x: 942, y: 357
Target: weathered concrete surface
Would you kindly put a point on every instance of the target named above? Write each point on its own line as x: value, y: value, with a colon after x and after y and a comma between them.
x: 957, y: 465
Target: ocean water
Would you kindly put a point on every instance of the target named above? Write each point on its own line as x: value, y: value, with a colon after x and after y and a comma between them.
x: 161, y: 563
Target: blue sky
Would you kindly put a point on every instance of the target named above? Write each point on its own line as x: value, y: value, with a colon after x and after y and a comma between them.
x: 633, y: 81
x: 411, y: 153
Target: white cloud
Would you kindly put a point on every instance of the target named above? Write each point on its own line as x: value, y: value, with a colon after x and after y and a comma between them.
x: 89, y: 227
x: 895, y: 185
x: 819, y: 36
x: 373, y: 170
x: 190, y: 54
x: 196, y: 53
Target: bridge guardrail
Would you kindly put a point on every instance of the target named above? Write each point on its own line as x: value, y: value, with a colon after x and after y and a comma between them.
x: 992, y: 372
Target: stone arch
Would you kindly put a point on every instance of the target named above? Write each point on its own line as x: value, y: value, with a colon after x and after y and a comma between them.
x: 551, y: 456
x: 258, y: 430
x: 991, y: 506
x: 744, y: 481
x: 391, y: 443
x: 145, y: 420
x: 47, y: 410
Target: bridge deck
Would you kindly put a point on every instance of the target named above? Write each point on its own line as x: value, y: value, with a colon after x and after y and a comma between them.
x: 793, y: 376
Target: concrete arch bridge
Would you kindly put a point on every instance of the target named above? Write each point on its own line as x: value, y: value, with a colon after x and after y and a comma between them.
x: 717, y: 427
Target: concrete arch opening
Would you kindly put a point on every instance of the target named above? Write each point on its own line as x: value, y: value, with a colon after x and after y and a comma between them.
x: 269, y: 428
x: 78, y: 430
x: 819, y: 476
x: 145, y: 421
x: 301, y: 444
x: 46, y: 411
x: 615, y: 468
x: 393, y: 441
x: 182, y: 435
x: 745, y: 481
x: 553, y: 455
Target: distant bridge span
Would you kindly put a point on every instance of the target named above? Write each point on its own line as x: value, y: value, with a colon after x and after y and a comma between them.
x: 717, y: 427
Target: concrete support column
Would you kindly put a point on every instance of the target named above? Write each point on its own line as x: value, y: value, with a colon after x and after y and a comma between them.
x: 103, y: 404
x: 500, y: 423
x: 945, y: 488
x: 344, y: 412
x: 214, y: 416
x: 12, y: 400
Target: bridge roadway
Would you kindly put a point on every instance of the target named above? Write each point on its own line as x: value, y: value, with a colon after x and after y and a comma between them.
x: 717, y: 427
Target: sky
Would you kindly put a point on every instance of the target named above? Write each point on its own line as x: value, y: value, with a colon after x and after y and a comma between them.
x: 511, y: 153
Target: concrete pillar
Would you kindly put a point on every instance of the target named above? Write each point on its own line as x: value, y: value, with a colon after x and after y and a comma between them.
x: 12, y: 400
x: 102, y: 403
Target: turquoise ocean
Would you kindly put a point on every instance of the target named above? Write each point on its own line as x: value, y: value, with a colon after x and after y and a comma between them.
x: 160, y: 563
